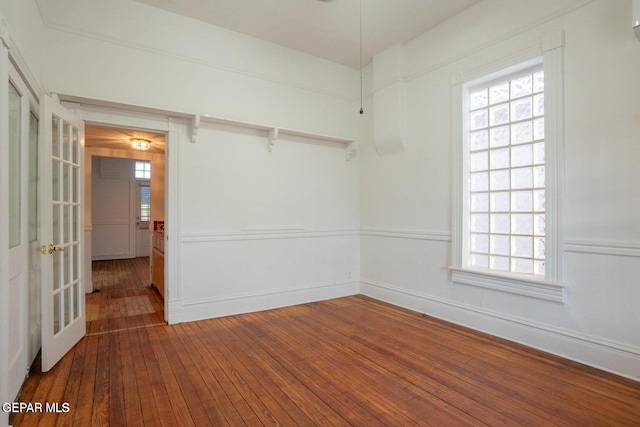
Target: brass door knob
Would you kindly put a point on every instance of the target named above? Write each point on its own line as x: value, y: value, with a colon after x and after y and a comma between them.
x: 44, y: 250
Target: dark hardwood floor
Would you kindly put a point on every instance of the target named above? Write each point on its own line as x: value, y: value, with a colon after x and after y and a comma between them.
x: 351, y: 361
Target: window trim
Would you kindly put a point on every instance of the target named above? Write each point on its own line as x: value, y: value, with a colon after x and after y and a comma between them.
x: 549, y: 51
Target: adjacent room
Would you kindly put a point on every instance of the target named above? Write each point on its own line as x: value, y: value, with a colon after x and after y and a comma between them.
x: 334, y: 212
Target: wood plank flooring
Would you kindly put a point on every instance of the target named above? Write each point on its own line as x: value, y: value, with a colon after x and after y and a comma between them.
x: 123, y: 298
x: 351, y: 361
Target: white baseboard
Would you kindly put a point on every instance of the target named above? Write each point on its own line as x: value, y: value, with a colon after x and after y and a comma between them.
x: 259, y: 301
x: 609, y: 356
x: 173, y: 312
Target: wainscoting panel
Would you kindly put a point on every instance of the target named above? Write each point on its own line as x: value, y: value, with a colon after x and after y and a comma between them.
x: 596, y: 324
x: 610, y: 356
x: 232, y: 273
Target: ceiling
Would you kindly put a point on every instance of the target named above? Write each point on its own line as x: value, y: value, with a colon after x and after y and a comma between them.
x: 120, y: 139
x: 325, y: 28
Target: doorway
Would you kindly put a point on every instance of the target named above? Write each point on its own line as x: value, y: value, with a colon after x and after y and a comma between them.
x: 125, y: 200
x: 123, y: 297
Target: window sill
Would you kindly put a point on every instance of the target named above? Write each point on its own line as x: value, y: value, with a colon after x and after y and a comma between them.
x: 511, y: 283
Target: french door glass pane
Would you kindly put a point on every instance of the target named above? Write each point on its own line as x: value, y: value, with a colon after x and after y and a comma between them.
x: 74, y: 185
x: 56, y: 312
x: 76, y: 261
x: 77, y: 298
x: 57, y: 256
x: 66, y: 225
x: 67, y: 306
x: 74, y: 224
x: 57, y: 265
x: 56, y: 223
x: 33, y: 178
x: 55, y: 137
x: 66, y: 146
x: 75, y: 146
x: 67, y: 266
x: 55, y: 180
x: 66, y: 180
x: 14, y: 167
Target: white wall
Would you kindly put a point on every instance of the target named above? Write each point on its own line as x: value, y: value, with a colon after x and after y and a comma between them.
x: 263, y: 229
x: 406, y: 197
x: 254, y: 229
x: 26, y: 36
x: 148, y: 57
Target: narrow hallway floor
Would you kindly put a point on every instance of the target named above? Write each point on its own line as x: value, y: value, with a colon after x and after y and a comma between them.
x: 122, y: 298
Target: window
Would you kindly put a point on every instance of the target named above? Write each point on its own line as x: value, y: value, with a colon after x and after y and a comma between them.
x: 505, y: 169
x: 508, y: 127
x: 143, y: 170
x: 145, y: 202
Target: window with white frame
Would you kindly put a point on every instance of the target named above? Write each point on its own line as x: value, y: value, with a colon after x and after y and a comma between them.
x: 143, y: 170
x: 508, y: 174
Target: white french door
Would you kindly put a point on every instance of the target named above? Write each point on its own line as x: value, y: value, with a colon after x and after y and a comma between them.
x: 62, y: 190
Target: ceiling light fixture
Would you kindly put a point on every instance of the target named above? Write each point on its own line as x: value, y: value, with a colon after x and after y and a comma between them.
x: 140, y: 144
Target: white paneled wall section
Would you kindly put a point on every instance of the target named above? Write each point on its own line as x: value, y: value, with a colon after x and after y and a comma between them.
x: 263, y: 229
x: 406, y: 197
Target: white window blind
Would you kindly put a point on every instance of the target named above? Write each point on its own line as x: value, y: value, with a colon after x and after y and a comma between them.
x: 145, y: 203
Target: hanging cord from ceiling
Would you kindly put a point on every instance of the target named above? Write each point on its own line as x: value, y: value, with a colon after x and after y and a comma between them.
x: 361, y: 109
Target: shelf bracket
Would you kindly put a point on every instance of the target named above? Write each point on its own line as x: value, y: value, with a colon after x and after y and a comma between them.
x: 271, y: 139
x: 350, y: 151
x: 195, y: 126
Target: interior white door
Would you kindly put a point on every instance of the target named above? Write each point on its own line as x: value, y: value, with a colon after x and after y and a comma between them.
x: 62, y: 158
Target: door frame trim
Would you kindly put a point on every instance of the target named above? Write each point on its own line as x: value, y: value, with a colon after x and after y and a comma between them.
x: 176, y: 129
